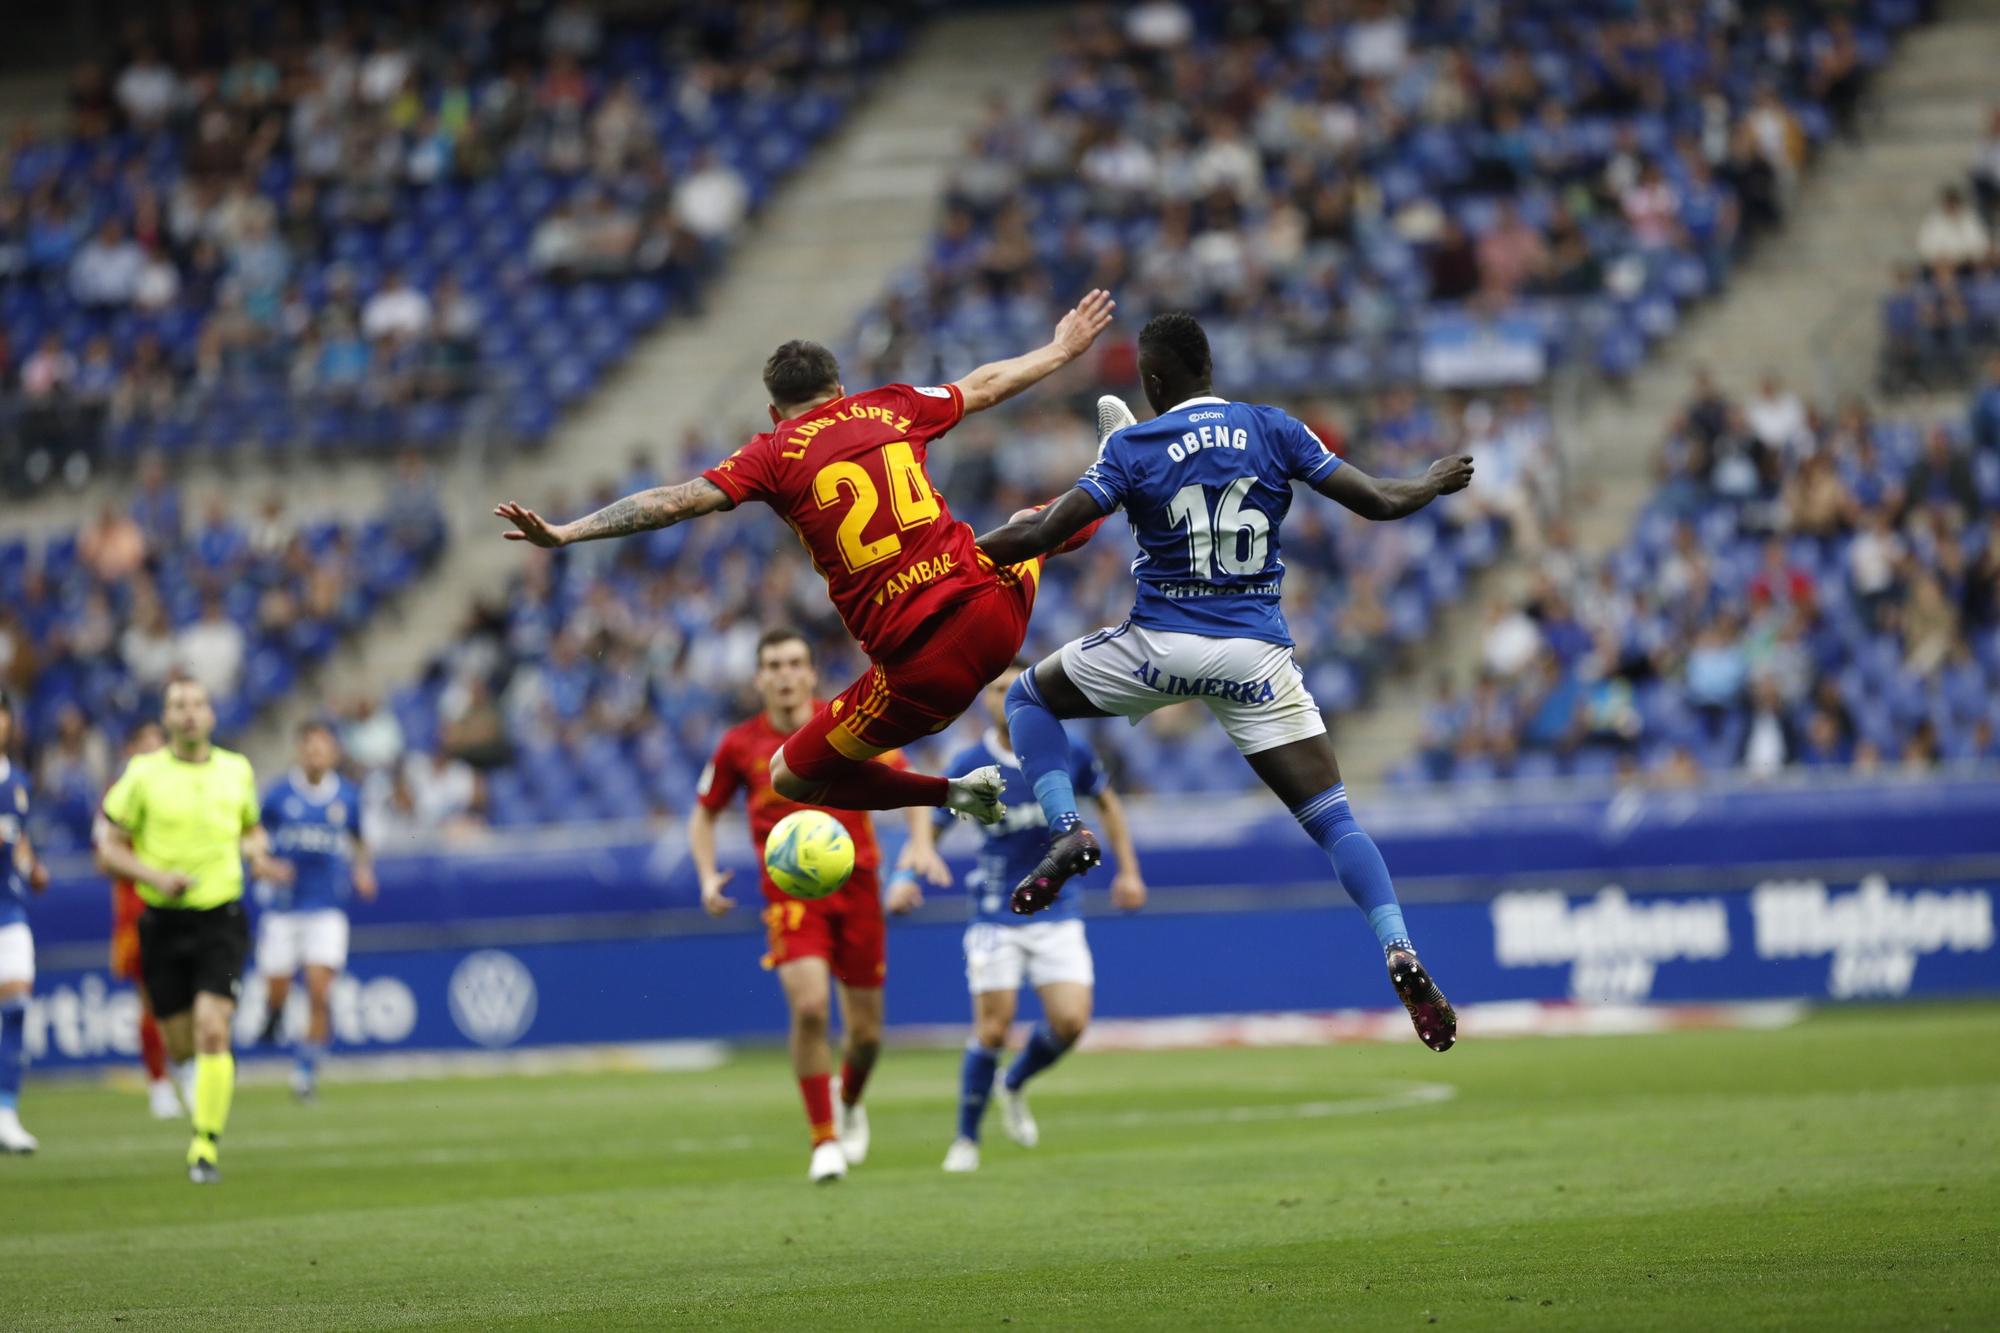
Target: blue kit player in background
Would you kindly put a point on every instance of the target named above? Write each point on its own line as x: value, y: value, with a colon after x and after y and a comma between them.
x: 21, y: 871
x: 1003, y: 950
x: 1206, y: 485
x: 314, y: 820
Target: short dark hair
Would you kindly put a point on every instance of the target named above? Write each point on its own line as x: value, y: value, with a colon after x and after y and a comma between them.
x: 1178, y: 334
x: 312, y: 724
x: 778, y: 634
x: 800, y: 371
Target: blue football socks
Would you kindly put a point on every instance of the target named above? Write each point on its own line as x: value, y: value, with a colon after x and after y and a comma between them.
x: 975, y: 1087
x: 1044, y: 1048
x: 1358, y: 863
x: 13, y: 1050
x: 1043, y: 748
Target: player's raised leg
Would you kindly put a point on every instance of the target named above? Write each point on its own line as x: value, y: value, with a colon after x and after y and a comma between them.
x: 808, y: 986
x: 1037, y: 702
x: 810, y: 771
x: 1305, y: 775
x: 829, y: 761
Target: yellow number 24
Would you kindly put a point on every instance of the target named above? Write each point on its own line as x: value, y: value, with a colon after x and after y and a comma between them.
x: 910, y: 496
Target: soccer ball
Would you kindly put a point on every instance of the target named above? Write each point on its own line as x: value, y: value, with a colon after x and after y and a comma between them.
x: 810, y: 854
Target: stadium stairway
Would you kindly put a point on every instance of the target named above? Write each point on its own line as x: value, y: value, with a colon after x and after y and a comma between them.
x: 1806, y: 306
x: 827, y: 245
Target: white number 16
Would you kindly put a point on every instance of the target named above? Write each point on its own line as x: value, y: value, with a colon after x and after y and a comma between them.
x: 1236, y: 539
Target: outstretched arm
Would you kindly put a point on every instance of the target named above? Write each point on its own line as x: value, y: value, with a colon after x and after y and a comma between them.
x: 997, y: 381
x: 1387, y: 498
x: 1036, y: 532
x: 661, y: 507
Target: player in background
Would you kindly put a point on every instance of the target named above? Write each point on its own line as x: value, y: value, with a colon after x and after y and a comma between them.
x: 21, y: 872
x: 164, y: 1095
x: 1002, y: 950
x: 839, y: 938
x: 313, y: 817
x: 180, y: 822
x: 936, y: 618
x: 1206, y: 485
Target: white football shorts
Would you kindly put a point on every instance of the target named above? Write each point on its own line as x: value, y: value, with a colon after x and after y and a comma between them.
x: 1038, y: 952
x: 1254, y: 688
x: 287, y: 941
x: 17, y: 953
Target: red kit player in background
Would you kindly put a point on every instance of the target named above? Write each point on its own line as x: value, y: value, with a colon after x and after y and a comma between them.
x: 812, y: 944
x: 936, y: 618
x: 126, y: 909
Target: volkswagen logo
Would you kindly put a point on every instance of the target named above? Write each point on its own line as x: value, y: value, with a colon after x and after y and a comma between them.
x: 492, y: 997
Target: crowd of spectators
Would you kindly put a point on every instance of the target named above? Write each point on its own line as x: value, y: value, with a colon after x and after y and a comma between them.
x: 94, y: 621
x: 345, y: 225
x: 1943, y: 307
x: 1807, y: 590
x: 1359, y: 193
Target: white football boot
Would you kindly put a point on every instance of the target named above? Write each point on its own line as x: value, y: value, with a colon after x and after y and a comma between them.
x: 829, y: 1164
x: 977, y: 795
x: 1016, y: 1118
x: 1112, y: 417
x: 13, y: 1138
x: 962, y: 1157
x: 851, y: 1124
x: 163, y: 1101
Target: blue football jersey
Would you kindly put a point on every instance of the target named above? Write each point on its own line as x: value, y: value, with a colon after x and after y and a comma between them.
x: 314, y: 826
x: 13, y: 826
x: 1206, y: 486
x: 1016, y: 843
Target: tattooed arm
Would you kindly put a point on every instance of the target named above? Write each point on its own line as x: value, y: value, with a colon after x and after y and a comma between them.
x: 661, y: 507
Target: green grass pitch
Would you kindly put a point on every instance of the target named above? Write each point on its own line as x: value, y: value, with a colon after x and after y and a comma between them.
x: 1841, y: 1174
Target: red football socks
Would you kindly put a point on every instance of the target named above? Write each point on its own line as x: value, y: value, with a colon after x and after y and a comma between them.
x: 817, y: 1089
x: 151, y: 1048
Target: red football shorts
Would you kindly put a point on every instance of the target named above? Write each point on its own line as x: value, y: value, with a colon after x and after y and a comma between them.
x: 845, y: 928
x: 927, y: 685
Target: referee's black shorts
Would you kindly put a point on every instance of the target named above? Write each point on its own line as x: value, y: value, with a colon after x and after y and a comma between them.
x: 185, y: 952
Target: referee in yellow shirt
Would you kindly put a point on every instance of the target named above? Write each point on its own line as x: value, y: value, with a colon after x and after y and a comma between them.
x: 179, y: 824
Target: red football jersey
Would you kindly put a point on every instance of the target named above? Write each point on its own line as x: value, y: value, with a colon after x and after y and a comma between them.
x: 742, y: 760
x: 849, y: 477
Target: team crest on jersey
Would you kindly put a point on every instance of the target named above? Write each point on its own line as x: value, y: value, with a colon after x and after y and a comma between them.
x: 20, y: 800
x: 336, y: 813
x: 294, y: 808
